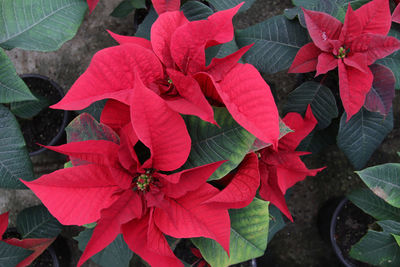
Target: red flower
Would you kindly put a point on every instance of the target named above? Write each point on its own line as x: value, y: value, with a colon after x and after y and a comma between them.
x: 137, y: 200
x: 37, y: 245
x: 351, y: 47
x: 280, y: 170
x: 168, y: 76
x: 92, y: 4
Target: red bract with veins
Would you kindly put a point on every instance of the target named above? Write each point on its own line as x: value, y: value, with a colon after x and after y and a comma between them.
x: 138, y: 200
x: 280, y: 170
x: 92, y: 4
x: 37, y: 245
x: 160, y: 79
x: 351, y: 47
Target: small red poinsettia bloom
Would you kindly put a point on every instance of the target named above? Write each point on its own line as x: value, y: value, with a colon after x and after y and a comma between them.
x: 92, y: 4
x: 351, y: 47
x: 138, y: 200
x: 37, y: 245
x: 280, y: 170
x: 167, y: 76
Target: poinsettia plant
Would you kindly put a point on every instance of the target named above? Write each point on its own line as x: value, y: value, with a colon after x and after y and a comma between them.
x: 182, y: 144
x: 346, y: 52
x: 190, y: 144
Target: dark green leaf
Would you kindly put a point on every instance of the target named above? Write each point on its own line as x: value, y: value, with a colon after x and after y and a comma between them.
x: 276, y: 221
x: 384, y: 181
x: 115, y: 254
x: 249, y: 235
x: 15, y: 163
x: 37, y: 222
x: 194, y: 10
x: 39, y: 25
x: 319, y: 139
x: 321, y: 99
x: 362, y: 134
x: 145, y: 27
x: 12, y: 87
x: 12, y: 255
x: 29, y: 109
x: 391, y: 227
x: 127, y: 6
x: 220, y: 51
x: 211, y: 143
x: 85, y: 127
x: 276, y: 42
x: 377, y: 248
x: 95, y: 109
x: 366, y: 200
x: 227, y: 4
x: 335, y: 8
x: 392, y: 61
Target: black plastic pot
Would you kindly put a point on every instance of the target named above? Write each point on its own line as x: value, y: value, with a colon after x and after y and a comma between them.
x: 329, y: 216
x: 36, y: 78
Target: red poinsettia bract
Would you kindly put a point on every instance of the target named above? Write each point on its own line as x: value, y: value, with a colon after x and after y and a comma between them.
x: 351, y: 47
x: 280, y: 170
x: 92, y: 4
x: 165, y: 77
x: 138, y: 200
x: 37, y: 245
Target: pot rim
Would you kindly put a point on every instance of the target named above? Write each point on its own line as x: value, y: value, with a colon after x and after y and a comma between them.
x: 65, y: 117
x: 332, y: 231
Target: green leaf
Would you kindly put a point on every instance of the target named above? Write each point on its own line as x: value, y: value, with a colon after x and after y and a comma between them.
x: 392, y: 61
x: 366, y: 200
x: 211, y: 143
x: 362, y: 135
x: 390, y: 226
x: 94, y: 109
x: 276, y: 42
x: 85, y: 127
x: 68, y: 165
x: 276, y: 221
x: 397, y: 238
x: 335, y: 8
x: 319, y: 139
x: 39, y: 25
x: 321, y: 99
x: 227, y: 4
x: 222, y: 50
x: 115, y: 254
x: 37, y: 222
x: 12, y: 255
x: 12, y: 87
x: 15, y: 163
x: 384, y: 181
x: 29, y: 109
x: 377, y: 248
x: 145, y: 27
x: 126, y: 7
x: 194, y: 10
x: 249, y: 235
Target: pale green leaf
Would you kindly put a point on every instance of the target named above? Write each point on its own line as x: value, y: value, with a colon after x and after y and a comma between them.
x: 39, y: 25
x: 384, y: 181
x: 249, y: 235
